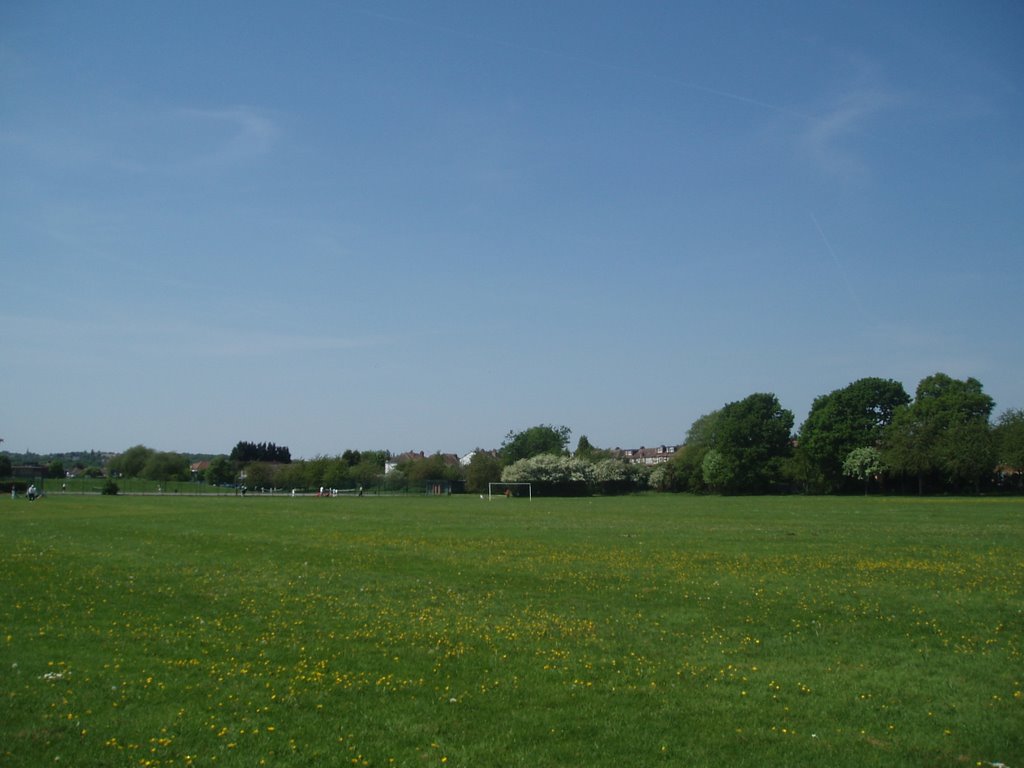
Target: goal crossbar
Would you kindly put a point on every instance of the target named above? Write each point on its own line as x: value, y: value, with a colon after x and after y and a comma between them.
x: 503, y: 488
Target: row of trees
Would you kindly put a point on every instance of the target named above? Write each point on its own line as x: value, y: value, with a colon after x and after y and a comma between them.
x: 352, y: 469
x: 52, y: 468
x: 140, y: 461
x: 244, y: 452
x: 555, y: 475
x: 542, y: 444
x: 870, y: 432
x: 78, y: 463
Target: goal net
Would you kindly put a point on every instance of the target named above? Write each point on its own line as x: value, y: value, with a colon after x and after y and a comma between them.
x: 509, y: 490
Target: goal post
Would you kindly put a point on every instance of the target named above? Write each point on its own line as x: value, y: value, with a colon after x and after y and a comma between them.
x: 510, y: 490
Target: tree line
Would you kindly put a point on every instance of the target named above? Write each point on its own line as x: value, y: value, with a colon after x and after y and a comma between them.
x: 244, y: 452
x: 870, y: 435
x: 349, y: 470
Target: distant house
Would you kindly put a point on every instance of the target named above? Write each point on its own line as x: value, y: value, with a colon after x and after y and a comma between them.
x: 450, y: 459
x: 402, y: 458
x: 648, y: 456
x: 199, y: 469
x: 468, y: 458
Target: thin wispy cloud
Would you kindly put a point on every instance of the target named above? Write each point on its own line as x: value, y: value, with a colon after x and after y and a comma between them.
x: 598, y: 64
x: 827, y: 136
x: 830, y: 138
x: 854, y: 298
x: 143, y: 139
x: 189, y: 139
x: 371, y: 194
x: 242, y: 133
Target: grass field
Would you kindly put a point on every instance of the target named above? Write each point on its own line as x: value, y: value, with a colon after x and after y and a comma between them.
x: 655, y: 630
x: 92, y: 485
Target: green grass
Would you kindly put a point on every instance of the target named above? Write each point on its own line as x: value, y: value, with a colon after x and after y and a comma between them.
x: 656, y: 630
x: 90, y: 485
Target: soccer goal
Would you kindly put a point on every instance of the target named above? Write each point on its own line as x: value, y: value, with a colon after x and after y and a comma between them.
x: 510, y: 490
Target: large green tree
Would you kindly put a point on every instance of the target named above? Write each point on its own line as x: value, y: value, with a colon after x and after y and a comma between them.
x: 753, y: 436
x: 434, y: 467
x: 943, y: 438
x: 165, y: 465
x: 369, y: 471
x: 586, y: 450
x: 740, y: 448
x: 244, y: 452
x: 131, y: 462
x: 259, y: 474
x: 220, y: 471
x: 1008, y: 439
x: 535, y: 441
x: 336, y: 474
x: 686, y: 469
x: 855, y: 416
x: 484, y: 468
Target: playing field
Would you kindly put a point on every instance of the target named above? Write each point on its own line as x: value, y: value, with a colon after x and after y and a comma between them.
x: 655, y: 630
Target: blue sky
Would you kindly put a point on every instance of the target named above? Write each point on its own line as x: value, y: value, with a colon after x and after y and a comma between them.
x: 411, y: 225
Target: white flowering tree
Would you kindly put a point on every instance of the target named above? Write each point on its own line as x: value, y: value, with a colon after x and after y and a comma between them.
x: 864, y: 464
x: 559, y: 474
x: 717, y: 470
x: 658, y: 477
x: 574, y: 475
x: 617, y: 476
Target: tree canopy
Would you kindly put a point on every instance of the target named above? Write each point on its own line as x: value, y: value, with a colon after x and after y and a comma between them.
x: 165, y: 466
x: 943, y: 437
x: 855, y: 416
x: 739, y: 448
x: 753, y: 435
x: 1008, y: 440
x: 220, y: 471
x: 131, y: 462
x: 244, y: 452
x: 586, y: 450
x: 535, y: 441
x: 484, y: 468
x: 869, y: 431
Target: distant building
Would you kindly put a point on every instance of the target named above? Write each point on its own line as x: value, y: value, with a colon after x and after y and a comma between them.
x: 468, y: 458
x: 648, y: 456
x: 450, y: 459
